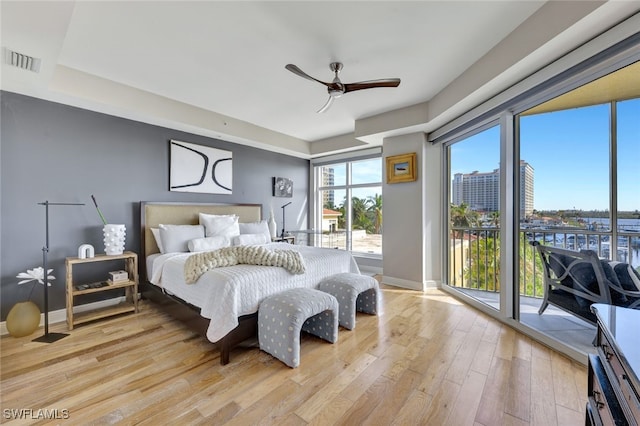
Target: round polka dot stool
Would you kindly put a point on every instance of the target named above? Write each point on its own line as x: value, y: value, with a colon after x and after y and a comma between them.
x: 283, y: 316
x: 355, y: 293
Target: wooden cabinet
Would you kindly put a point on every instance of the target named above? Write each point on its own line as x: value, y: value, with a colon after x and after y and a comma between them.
x: 130, y: 285
x: 613, y: 385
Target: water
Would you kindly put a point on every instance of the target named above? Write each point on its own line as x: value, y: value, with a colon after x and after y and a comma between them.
x: 628, y: 243
x: 624, y: 225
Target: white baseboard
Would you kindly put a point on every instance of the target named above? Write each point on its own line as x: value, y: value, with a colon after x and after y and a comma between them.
x: 370, y: 270
x: 399, y: 282
x: 61, y: 314
x: 431, y: 284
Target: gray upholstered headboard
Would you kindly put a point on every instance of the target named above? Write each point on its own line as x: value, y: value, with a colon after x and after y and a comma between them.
x: 154, y: 213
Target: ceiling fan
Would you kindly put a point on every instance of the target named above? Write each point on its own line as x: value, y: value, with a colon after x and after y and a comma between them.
x: 337, y: 88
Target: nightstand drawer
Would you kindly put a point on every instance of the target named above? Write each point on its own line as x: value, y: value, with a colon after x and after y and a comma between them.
x: 619, y: 374
x: 602, y: 399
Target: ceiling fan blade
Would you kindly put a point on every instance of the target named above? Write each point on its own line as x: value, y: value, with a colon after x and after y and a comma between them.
x: 387, y: 82
x: 297, y: 71
x: 326, y: 105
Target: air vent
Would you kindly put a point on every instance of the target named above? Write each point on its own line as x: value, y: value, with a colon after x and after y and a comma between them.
x: 22, y: 61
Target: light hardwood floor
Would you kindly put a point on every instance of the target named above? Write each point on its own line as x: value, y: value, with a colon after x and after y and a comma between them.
x: 426, y: 359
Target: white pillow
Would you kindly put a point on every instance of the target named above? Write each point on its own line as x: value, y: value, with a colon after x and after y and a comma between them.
x: 175, y: 238
x: 156, y: 235
x: 250, y: 239
x: 223, y: 225
x: 260, y: 227
x: 208, y: 243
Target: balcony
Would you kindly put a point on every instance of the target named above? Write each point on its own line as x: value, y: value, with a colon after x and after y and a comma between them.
x: 474, y: 269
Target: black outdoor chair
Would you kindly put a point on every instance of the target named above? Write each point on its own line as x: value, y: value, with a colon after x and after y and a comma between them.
x: 574, y: 280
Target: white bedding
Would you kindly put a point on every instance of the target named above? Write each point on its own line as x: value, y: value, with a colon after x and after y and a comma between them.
x: 224, y: 294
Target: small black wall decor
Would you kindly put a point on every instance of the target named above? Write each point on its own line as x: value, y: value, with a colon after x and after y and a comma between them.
x: 282, y: 187
x: 199, y: 168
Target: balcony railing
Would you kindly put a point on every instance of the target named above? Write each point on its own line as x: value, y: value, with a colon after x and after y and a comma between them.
x: 474, y: 258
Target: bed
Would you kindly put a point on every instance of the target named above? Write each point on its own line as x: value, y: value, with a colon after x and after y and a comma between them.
x: 226, y: 298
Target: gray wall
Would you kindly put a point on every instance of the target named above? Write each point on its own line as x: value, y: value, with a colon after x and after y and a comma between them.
x: 412, y: 231
x: 56, y: 153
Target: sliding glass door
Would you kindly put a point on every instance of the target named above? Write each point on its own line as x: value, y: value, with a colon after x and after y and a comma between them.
x: 562, y: 172
x: 473, y: 255
x: 584, y: 163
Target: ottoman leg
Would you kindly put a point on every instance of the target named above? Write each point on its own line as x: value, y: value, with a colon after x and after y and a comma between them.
x: 324, y: 325
x: 367, y: 302
x: 281, y: 342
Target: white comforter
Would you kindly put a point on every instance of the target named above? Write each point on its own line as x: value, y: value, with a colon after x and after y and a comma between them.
x: 224, y: 294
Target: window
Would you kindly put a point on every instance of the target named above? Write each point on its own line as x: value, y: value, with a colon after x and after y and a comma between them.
x: 628, y: 194
x: 349, y: 205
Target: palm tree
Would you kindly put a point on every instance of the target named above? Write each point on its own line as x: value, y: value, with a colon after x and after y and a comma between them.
x: 462, y: 217
x: 375, y: 209
x: 359, y: 214
x: 495, y: 219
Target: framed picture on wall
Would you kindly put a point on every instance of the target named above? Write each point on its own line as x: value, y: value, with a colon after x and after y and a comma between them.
x: 282, y: 187
x: 199, y: 168
x: 401, y: 168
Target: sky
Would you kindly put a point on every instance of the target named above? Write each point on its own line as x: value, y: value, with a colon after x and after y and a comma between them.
x: 569, y: 152
x: 365, y: 171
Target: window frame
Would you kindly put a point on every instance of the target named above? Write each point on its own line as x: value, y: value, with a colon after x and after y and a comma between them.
x: 317, y: 204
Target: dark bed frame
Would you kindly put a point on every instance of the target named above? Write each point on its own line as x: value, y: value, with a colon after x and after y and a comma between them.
x: 154, y: 213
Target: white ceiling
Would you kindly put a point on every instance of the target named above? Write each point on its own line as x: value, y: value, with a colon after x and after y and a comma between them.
x: 217, y: 68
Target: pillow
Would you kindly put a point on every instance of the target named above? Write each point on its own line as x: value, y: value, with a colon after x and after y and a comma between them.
x: 260, y: 227
x: 208, y: 243
x: 250, y: 239
x: 219, y: 225
x: 629, y: 278
x: 156, y: 236
x: 583, y: 272
x: 617, y: 298
x: 175, y: 238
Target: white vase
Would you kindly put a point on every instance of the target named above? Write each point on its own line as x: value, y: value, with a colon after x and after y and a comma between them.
x: 114, y: 236
x: 272, y: 225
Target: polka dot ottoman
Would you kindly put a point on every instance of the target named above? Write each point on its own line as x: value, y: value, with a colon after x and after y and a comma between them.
x: 283, y: 316
x: 355, y: 293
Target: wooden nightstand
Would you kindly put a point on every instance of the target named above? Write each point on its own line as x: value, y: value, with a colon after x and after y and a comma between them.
x: 74, y: 289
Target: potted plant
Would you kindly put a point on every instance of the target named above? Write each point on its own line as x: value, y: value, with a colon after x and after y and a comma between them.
x: 24, y: 317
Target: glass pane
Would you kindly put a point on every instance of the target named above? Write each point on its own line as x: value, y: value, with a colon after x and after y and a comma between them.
x: 333, y: 175
x: 474, y: 244
x: 568, y: 149
x: 366, y: 220
x: 628, y: 244
x: 332, y: 228
x: 569, y: 152
x: 366, y: 171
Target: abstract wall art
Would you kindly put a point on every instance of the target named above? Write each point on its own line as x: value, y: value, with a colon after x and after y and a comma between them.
x: 199, y: 168
x: 282, y: 187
